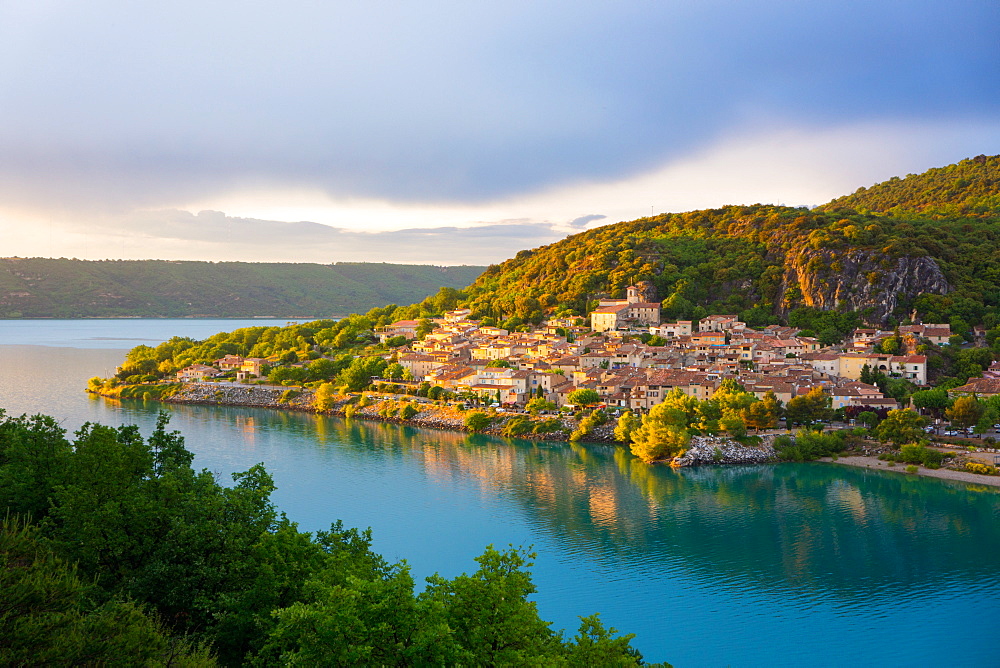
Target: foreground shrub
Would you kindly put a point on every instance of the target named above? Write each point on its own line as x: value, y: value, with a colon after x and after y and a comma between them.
x: 919, y: 454
x: 982, y: 469
x: 477, y: 421
x: 809, y: 445
x: 517, y: 426
x: 548, y: 426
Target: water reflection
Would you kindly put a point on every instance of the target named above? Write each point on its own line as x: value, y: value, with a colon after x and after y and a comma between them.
x: 845, y: 531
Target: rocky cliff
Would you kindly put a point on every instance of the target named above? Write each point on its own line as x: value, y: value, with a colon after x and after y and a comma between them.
x: 858, y: 280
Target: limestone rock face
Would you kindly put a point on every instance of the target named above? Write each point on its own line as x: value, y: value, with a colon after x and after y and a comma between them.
x: 858, y: 280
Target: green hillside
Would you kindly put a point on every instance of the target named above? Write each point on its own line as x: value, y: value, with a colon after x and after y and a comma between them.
x: 969, y: 188
x: 61, y: 288
x: 929, y: 242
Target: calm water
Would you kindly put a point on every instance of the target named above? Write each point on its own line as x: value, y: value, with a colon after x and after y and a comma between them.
x: 787, y: 565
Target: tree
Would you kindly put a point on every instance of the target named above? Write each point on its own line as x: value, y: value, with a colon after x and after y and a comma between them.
x: 48, y: 615
x: 324, y: 368
x: 477, y: 421
x: 584, y: 397
x: 655, y: 440
x: 424, y: 327
x: 965, y: 412
x: 491, y: 614
x: 901, y: 426
x: 594, y: 645
x: 627, y: 424
x: 809, y: 408
x: 734, y: 426
x: 395, y: 341
x: 326, y: 397
x: 764, y: 414
x: 34, y: 461
x: 935, y: 400
x: 537, y: 405
x: 359, y: 373
x: 868, y: 418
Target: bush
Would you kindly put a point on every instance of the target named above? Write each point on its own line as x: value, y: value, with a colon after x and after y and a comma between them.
x: 982, y: 469
x: 586, y: 427
x: 477, y: 421
x: 350, y: 410
x: 406, y: 411
x: 918, y: 454
x: 517, y: 426
x: 548, y: 426
x: 808, y: 445
x: 286, y: 396
x: 912, y: 468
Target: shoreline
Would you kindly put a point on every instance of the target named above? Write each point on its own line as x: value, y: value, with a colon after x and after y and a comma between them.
x: 437, y: 416
x: 874, y: 463
x: 431, y: 415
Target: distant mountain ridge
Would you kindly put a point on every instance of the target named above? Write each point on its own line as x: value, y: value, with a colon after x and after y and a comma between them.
x: 928, y: 243
x: 65, y: 288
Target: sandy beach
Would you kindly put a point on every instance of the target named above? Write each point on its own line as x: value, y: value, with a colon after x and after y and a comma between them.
x: 944, y: 474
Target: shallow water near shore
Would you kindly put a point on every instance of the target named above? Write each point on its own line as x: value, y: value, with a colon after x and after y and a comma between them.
x: 781, y: 565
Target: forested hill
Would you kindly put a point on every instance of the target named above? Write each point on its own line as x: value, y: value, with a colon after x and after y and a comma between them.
x: 61, y: 288
x: 936, y: 249
x: 969, y: 188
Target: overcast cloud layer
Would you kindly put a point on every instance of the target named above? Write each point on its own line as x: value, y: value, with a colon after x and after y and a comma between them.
x: 117, y: 119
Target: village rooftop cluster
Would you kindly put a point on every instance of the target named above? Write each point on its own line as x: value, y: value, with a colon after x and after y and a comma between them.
x: 561, y: 355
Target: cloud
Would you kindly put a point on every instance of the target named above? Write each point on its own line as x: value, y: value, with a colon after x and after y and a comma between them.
x: 213, y: 235
x: 110, y: 106
x: 793, y: 165
x: 583, y: 221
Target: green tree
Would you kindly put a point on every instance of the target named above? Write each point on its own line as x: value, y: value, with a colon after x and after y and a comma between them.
x: 536, y: 405
x: 868, y: 418
x: 584, y: 397
x: 934, y: 400
x: 425, y: 327
x: 764, y: 414
x: 490, y: 613
x: 808, y: 408
x: 595, y: 645
x: 627, y: 423
x: 477, y: 421
x: 655, y: 440
x: 34, y: 461
x: 48, y: 615
x: 901, y: 426
x: 359, y: 373
x: 323, y: 369
x: 326, y: 397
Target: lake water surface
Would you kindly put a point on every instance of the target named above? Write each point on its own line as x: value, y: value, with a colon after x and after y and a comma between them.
x: 786, y: 565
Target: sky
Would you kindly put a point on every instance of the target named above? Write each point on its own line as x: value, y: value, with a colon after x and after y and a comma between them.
x: 458, y: 132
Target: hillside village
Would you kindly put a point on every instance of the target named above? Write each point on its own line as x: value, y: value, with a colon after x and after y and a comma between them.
x: 562, y: 355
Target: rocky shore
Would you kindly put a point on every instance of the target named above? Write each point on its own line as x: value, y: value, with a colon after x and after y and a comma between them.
x: 708, y: 450
x: 430, y: 415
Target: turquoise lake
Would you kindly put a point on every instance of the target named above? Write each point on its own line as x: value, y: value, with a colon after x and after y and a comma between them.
x: 785, y: 565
